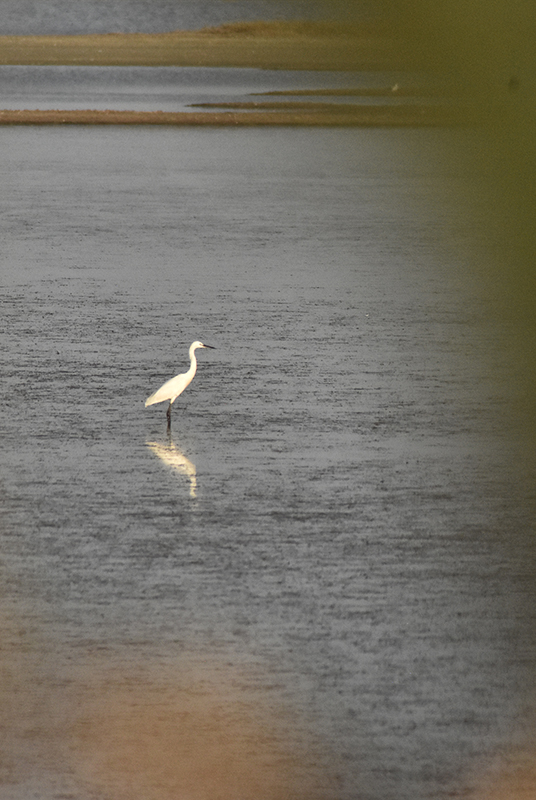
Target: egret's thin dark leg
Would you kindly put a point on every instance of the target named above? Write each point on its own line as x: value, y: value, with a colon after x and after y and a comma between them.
x: 168, y: 415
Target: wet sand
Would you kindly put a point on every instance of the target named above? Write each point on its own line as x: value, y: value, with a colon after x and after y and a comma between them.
x: 379, y: 116
x: 258, y: 45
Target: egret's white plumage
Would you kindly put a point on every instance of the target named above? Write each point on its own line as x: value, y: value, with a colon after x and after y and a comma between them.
x: 174, y: 387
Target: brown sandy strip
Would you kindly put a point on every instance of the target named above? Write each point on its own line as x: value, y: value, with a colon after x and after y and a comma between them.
x: 366, y: 91
x: 261, y: 44
x: 371, y: 116
x: 262, y: 48
x: 326, y: 108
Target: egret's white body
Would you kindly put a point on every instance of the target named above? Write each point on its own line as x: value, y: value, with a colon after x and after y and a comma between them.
x: 176, y: 386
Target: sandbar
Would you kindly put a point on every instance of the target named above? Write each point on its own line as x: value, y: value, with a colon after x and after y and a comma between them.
x: 361, y: 116
x: 262, y: 45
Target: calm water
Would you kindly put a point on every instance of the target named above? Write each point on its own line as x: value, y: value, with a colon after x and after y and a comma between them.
x: 174, y: 88
x: 331, y: 554
x: 132, y: 16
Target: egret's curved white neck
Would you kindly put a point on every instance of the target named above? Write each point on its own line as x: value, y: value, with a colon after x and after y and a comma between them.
x: 193, y: 362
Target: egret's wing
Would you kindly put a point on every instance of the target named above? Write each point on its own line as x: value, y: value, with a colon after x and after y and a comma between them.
x: 169, y: 391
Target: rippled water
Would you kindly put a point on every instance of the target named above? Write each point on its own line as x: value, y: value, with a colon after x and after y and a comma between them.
x: 329, y: 554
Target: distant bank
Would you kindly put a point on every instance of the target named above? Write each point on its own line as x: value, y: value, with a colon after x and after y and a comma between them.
x: 264, y: 45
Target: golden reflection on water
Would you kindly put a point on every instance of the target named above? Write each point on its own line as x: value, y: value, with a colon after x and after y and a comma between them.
x: 171, y: 455
x: 188, y: 732
x: 181, y: 726
x: 177, y: 727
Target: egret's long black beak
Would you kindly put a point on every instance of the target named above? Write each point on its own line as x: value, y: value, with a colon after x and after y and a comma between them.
x: 209, y: 346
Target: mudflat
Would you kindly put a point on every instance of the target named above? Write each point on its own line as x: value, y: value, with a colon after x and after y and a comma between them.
x: 268, y: 45
x: 330, y: 115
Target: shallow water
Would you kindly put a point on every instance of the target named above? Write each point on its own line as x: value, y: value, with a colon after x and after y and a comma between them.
x: 177, y: 88
x: 24, y: 17
x: 334, y: 530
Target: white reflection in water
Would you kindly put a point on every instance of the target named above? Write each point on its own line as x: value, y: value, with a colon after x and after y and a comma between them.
x: 171, y: 455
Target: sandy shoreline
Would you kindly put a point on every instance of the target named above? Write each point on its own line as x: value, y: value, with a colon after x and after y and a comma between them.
x: 369, y: 116
x: 261, y: 45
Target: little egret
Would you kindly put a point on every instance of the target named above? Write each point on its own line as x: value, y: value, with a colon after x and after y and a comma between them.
x: 176, y: 386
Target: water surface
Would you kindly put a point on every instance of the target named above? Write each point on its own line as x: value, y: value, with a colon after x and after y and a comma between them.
x: 335, y: 530
x: 23, y: 17
x: 176, y: 88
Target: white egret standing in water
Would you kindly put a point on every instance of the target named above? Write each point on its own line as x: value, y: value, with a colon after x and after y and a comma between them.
x: 176, y: 386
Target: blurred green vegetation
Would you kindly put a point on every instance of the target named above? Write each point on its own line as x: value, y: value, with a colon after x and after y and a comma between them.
x: 486, y: 52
